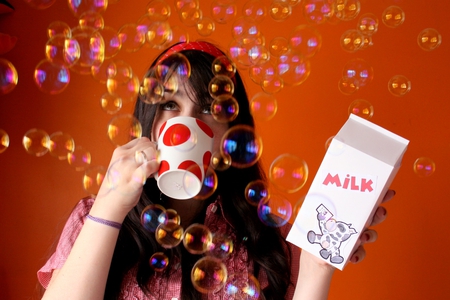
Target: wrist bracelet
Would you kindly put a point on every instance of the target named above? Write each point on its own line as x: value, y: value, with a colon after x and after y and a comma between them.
x: 104, y: 222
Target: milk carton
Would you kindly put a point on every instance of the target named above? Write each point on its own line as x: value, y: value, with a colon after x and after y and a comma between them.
x: 356, y: 172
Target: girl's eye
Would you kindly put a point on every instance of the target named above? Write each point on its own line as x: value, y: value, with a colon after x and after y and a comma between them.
x: 206, y: 109
x: 170, y: 105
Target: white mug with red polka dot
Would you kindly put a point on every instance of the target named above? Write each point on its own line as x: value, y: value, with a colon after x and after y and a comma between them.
x: 185, y: 147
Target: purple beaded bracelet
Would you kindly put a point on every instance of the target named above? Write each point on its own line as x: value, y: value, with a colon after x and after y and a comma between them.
x: 104, y: 222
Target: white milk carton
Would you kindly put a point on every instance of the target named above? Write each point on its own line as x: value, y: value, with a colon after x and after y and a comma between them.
x: 356, y: 172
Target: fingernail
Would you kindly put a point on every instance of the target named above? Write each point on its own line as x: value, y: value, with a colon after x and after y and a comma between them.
x: 355, y: 259
x: 366, y: 237
x: 394, y: 192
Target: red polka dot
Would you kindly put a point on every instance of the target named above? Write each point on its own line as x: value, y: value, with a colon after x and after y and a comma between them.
x: 162, y: 128
x: 192, y: 167
x: 164, y: 166
x: 176, y: 134
x: 206, y: 160
x: 205, y: 128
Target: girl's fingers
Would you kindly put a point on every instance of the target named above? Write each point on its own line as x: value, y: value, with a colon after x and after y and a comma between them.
x: 358, y: 255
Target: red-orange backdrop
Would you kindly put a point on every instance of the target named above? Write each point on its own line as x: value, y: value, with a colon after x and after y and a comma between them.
x: 410, y: 259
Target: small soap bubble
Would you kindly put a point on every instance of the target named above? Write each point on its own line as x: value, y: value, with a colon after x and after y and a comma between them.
x: 348, y: 85
x: 79, y: 158
x: 359, y: 69
x: 197, y: 238
x: 256, y: 191
x: 131, y: 38
x: 224, y: 109
x: 123, y: 128
x: 255, y: 10
x: 173, y: 216
x: 263, y: 106
x: 399, y: 85
x: 223, y: 12
x: 259, y: 72
x: 208, y: 274
x: 288, y: 173
x: 40, y: 4
x: 189, y: 15
x: 179, y: 4
x: 297, y: 206
x: 239, y: 53
x: 279, y: 46
x: 169, y: 235
x: 280, y: 10
x: 424, y: 167
x: 222, y: 65
x: 159, y: 261
x: 293, y: 68
x: 221, y: 86
x: 8, y: 76
x: 51, y: 77
x: 209, y: 185
x: 93, y: 178
x: 60, y: 48
x: 79, y: 7
x: 306, y: 40
x: 220, y: 247
x: 179, y: 34
x: 272, y: 84
x: 158, y: 34
x: 176, y: 65
x: 362, y: 108
x: 104, y: 71
x: 241, y: 286
x: 4, y: 141
x: 36, y: 142
x: 317, y: 11
x: 244, y: 29
x: 92, y: 49
x: 112, y: 41
x: 151, y: 91
x: 205, y: 26
x: 180, y: 137
x: 59, y: 27
x: 110, y: 104
x: 258, y: 54
x: 61, y: 144
x: 347, y: 10
x: 429, y: 39
x: 159, y: 10
x: 91, y: 19
x: 120, y: 71
x: 243, y: 145
x: 334, y: 146
x: 220, y: 162
x: 274, y: 211
x: 152, y: 216
x: 352, y: 40
x: 128, y: 91
x: 367, y: 24
x: 393, y: 16
x: 368, y: 42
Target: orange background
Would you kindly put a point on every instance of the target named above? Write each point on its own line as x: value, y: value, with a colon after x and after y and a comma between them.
x: 409, y: 261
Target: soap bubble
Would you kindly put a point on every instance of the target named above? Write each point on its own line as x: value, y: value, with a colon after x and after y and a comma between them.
x: 243, y: 145
x: 158, y: 10
x: 179, y: 34
x: 110, y: 104
x: 209, y: 185
x: 362, y: 108
x: 298, y: 205
x: 279, y: 46
x: 306, y: 40
x: 359, y: 69
x: 274, y: 211
x: 272, y: 84
x: 220, y: 247
x: 61, y: 144
x: 259, y: 72
x: 4, y: 141
x: 158, y: 34
x: 367, y: 24
x: 317, y: 11
x: 258, y: 54
x: 152, y: 216
x: 352, y: 40
x: 104, y: 71
x: 59, y: 27
x: 40, y: 4
x: 92, y: 49
x: 393, y: 16
x: 424, y: 167
x: 79, y: 158
x: 220, y: 162
x: 256, y: 191
x: 239, y: 53
x: 224, y: 109
x: 159, y: 261
x: 36, y: 142
x: 348, y: 85
x: 293, y: 68
x: 222, y: 65
x: 197, y: 238
x: 190, y: 16
x: 112, y: 41
x: 221, y: 86
x: 223, y: 12
x: 334, y: 146
x: 78, y: 7
x: 179, y: 4
x: 51, y: 77
x: 279, y: 10
x: 244, y: 29
x: 288, y: 173
x: 61, y: 49
x: 241, y: 286
x: 131, y: 38
x: 347, y: 10
x: 175, y: 66
x: 263, y: 106
x: 151, y: 91
x: 368, y: 42
x: 8, y: 76
x: 127, y: 91
x: 205, y: 26
x: 123, y: 128
x: 255, y: 10
x: 93, y: 178
x: 429, y: 39
x: 208, y: 274
x: 399, y: 85
x: 173, y: 216
x: 91, y: 19
x: 169, y: 235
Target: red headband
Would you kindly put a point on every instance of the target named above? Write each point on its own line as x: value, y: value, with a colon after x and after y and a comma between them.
x: 200, y: 46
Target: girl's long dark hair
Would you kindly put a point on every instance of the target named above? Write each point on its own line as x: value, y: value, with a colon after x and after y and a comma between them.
x: 265, y: 246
